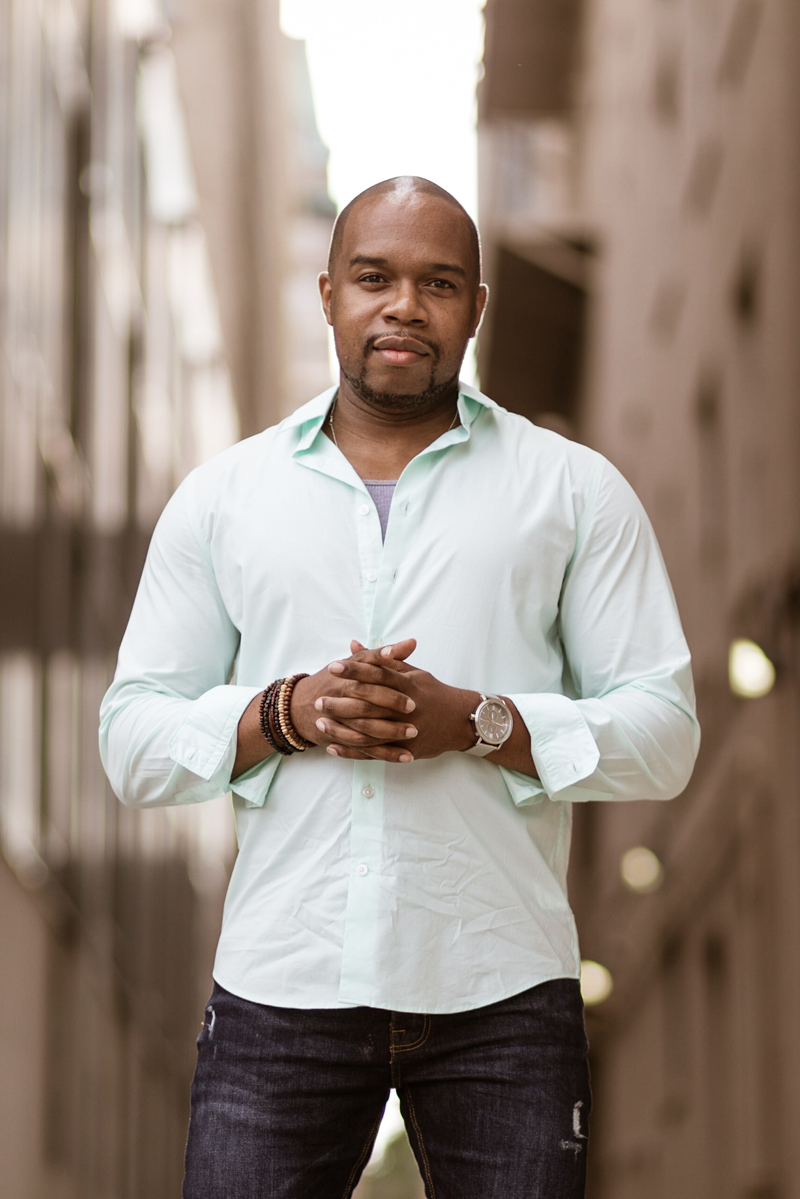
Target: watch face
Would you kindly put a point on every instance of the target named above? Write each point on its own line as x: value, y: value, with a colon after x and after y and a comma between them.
x: 494, y: 722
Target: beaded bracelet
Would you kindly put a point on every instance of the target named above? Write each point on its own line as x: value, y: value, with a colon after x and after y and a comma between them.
x: 263, y: 715
x: 269, y: 732
x: 283, y: 743
x: 288, y: 730
x: 275, y: 717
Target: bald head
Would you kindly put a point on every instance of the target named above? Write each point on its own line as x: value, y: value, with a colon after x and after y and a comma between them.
x: 403, y: 188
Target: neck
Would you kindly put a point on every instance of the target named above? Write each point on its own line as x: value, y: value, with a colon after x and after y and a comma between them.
x: 379, y: 442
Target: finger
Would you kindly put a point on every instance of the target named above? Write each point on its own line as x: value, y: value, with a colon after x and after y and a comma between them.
x: 341, y: 708
x: 366, y: 672
x: 396, y: 665
x: 365, y: 732
x: 339, y: 751
x: 382, y: 753
x: 397, y: 652
x: 376, y: 656
x: 382, y: 699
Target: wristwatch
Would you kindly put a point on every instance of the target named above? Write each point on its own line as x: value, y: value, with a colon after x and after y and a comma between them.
x: 493, y: 724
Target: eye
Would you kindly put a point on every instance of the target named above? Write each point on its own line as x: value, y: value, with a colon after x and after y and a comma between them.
x: 442, y: 284
x: 371, y: 278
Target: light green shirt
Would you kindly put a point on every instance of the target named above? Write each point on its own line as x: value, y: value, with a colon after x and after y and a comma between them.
x: 525, y: 566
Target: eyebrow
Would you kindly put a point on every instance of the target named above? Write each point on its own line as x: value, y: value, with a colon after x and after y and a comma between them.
x: 443, y: 267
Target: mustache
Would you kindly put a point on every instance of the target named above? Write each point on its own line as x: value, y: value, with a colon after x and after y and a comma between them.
x: 369, y: 344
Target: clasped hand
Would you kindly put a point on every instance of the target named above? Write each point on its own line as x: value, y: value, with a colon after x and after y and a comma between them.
x: 376, y: 705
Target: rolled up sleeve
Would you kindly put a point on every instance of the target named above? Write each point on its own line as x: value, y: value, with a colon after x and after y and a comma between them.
x: 628, y: 728
x: 169, y: 721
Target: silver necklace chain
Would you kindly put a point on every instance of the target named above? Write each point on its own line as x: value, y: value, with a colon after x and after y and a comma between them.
x: 330, y: 421
x: 452, y: 424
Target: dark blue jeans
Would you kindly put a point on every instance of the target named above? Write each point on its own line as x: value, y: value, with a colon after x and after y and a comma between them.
x: 286, y: 1103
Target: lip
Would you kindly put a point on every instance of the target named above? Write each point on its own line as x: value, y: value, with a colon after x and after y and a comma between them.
x: 401, y: 351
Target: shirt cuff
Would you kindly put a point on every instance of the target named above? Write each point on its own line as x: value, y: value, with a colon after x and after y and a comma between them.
x: 562, y: 746
x: 202, y: 742
x: 523, y: 788
x: 254, y: 785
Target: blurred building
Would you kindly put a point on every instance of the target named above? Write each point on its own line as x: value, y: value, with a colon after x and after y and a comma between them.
x: 140, y: 331
x: 262, y: 179
x: 639, y: 187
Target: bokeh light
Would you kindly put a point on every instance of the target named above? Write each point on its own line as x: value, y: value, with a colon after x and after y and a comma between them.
x: 641, y: 870
x: 596, y: 983
x: 750, y: 672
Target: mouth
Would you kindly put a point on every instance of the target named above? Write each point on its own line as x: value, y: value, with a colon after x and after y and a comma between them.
x: 401, y: 351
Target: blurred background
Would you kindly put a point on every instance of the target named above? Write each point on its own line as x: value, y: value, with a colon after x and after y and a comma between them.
x: 166, y: 199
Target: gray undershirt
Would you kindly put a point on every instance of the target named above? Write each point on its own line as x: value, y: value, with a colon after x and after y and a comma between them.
x: 381, y: 491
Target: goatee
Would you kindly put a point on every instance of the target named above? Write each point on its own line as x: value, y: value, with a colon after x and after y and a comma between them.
x: 434, y: 395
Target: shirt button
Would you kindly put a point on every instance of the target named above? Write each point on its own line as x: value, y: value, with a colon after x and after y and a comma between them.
x: 362, y: 870
x: 372, y: 575
x: 364, y: 510
x: 368, y: 792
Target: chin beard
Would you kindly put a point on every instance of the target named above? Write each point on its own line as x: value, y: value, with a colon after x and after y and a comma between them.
x: 391, y: 401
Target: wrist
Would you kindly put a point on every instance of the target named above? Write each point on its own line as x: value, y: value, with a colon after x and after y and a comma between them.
x: 465, y: 703
x: 301, y: 710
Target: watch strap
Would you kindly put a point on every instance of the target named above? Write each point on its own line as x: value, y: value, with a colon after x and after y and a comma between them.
x: 481, y: 749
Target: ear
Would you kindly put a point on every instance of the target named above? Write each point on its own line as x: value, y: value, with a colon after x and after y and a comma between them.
x: 481, y: 300
x: 326, y: 291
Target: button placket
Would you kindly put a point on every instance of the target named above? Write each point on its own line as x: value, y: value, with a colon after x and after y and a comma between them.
x: 365, y: 884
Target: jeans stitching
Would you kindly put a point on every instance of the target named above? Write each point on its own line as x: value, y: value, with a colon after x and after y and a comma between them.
x: 426, y: 1028
x: 394, y: 1064
x: 426, y: 1164
x: 348, y: 1190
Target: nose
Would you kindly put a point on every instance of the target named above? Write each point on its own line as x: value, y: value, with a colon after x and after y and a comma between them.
x: 404, y: 305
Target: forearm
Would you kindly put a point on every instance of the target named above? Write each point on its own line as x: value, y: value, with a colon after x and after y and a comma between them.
x: 252, y: 746
x: 515, y: 754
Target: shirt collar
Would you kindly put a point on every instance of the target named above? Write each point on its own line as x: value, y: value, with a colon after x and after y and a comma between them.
x: 309, y: 419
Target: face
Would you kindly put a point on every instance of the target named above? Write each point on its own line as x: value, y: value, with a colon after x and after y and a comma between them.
x: 403, y: 300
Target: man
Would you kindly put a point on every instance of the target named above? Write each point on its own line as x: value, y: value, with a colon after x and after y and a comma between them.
x: 397, y: 914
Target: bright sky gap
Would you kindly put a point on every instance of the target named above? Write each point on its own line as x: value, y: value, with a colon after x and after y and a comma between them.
x: 394, y: 89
